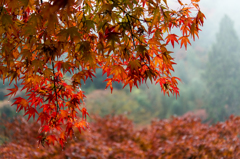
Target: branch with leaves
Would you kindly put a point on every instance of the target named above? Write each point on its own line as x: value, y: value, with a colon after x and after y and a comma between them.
x: 124, y: 39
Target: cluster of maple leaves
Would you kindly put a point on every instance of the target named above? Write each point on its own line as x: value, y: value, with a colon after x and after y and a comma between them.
x: 116, y: 137
x: 43, y: 40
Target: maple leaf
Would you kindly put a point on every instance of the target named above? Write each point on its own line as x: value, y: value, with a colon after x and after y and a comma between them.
x: 31, y: 112
x: 13, y: 91
x: 41, y: 139
x: 131, y: 83
x: 51, y: 139
x: 84, y: 113
x: 184, y: 40
x: 58, y: 65
x: 69, y: 129
x: 134, y: 65
x: 64, y: 113
x: 62, y: 139
x: 112, y: 37
x: 46, y: 128
x: 109, y: 83
x: 194, y: 31
x: 200, y: 17
x: 172, y: 38
x: 6, y: 19
x: 81, y: 125
x: 21, y: 103
x: 118, y: 71
x: 46, y: 108
x: 43, y: 117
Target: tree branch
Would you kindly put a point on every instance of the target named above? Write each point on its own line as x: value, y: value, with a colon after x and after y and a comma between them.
x: 55, y: 88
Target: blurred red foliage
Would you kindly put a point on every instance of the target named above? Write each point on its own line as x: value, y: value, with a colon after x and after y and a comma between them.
x: 116, y: 137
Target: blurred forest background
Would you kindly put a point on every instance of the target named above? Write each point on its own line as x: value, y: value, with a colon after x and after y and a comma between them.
x: 210, y: 86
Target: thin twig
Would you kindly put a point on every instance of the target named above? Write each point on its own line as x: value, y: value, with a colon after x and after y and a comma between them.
x: 129, y: 23
x: 55, y: 89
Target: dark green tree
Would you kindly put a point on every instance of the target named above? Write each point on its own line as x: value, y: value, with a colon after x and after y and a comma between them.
x: 98, y: 82
x: 222, y: 74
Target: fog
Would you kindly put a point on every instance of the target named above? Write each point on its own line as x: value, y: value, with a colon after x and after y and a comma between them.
x: 214, y: 11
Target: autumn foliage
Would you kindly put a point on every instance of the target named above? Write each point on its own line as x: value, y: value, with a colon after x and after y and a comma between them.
x: 43, y: 40
x: 116, y: 137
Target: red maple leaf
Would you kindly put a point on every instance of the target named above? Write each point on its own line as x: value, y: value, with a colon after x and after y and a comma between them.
x: 13, y: 91
x: 31, y: 112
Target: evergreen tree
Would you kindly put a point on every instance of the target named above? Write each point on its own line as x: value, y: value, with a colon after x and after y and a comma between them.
x: 98, y: 82
x: 222, y: 75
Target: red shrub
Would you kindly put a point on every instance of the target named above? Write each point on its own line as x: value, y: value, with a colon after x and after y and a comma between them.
x: 115, y: 137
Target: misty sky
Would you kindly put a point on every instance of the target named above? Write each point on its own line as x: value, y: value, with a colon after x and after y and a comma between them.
x: 214, y: 11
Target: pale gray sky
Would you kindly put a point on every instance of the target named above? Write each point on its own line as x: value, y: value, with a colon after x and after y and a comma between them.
x: 214, y: 11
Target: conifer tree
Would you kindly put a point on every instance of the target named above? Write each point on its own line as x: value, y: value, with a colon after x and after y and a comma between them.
x: 222, y: 75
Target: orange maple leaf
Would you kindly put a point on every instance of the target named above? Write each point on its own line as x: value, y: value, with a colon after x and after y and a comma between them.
x: 184, y: 40
x: 172, y: 38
